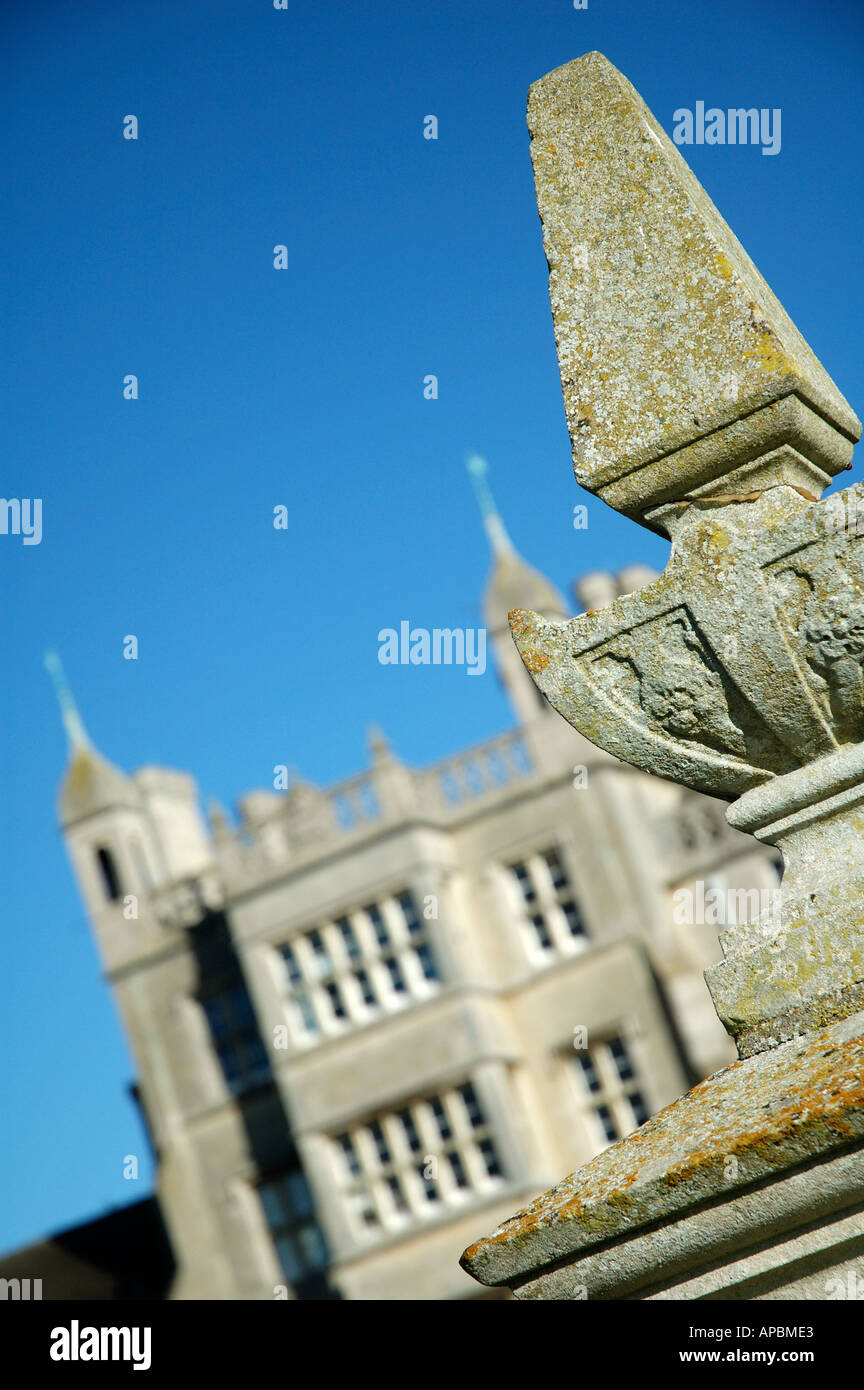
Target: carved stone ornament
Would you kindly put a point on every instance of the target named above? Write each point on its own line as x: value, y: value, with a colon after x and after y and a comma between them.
x: 696, y: 408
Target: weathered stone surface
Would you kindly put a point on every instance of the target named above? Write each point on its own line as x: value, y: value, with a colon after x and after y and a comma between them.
x: 741, y: 663
x: 695, y: 407
x: 766, y: 1120
x: 666, y: 331
x: 789, y: 973
x: 722, y: 673
x: 744, y: 660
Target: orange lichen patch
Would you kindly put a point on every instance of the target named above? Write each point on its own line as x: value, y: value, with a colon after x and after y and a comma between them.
x: 770, y: 1112
x: 535, y: 661
x: 519, y: 620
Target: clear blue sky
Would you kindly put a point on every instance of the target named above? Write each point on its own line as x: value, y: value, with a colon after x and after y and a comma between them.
x: 304, y: 387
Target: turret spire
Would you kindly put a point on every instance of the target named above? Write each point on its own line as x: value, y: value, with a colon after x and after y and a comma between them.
x: 72, y: 721
x: 501, y: 543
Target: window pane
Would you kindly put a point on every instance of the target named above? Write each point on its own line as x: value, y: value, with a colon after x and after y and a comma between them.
x: 556, y: 868
x: 335, y: 1000
x: 363, y: 981
x: 293, y: 969
x: 397, y: 1194
x: 410, y: 1130
x: 349, y: 1153
x: 430, y: 1191
x: 258, y: 1061
x: 623, y: 1065
x: 409, y: 912
x: 349, y: 936
x: 541, y: 931
x: 299, y: 1196
x: 379, y: 1141
x: 458, y: 1169
x: 230, y: 1066
x: 304, y: 1004
x: 589, y: 1074
x: 490, y: 1158
x: 608, y: 1123
x: 271, y: 1201
x: 216, y: 1019
x: 396, y: 976
x: 523, y: 879
x: 427, y: 961
x: 110, y: 877
x: 289, y: 1258
x: 573, y: 918
x: 240, y: 1007
x: 639, y: 1108
x: 323, y: 965
x: 472, y: 1105
x: 311, y: 1243
x: 441, y: 1119
x: 373, y: 912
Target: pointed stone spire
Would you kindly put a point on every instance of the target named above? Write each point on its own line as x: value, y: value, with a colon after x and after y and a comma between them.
x: 90, y: 783
x: 72, y: 721
x: 512, y: 579
x: 501, y: 543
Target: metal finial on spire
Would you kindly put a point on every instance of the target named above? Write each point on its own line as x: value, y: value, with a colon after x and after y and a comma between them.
x: 495, y: 529
x: 72, y: 721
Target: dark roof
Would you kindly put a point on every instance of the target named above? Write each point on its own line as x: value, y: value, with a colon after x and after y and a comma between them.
x: 123, y: 1255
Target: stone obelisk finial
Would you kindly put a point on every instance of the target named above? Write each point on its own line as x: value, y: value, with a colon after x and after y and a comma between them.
x: 695, y: 407
x: 679, y: 367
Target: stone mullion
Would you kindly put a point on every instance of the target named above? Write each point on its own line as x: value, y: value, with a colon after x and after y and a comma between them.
x: 455, y: 1115
x: 371, y: 959
x: 475, y: 1165
x: 431, y: 1141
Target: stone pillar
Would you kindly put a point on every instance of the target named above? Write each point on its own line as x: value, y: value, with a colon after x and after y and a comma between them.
x: 696, y: 408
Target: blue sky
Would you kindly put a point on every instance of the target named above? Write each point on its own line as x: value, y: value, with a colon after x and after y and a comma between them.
x: 303, y: 387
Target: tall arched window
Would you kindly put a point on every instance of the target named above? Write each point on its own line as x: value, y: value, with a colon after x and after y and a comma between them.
x: 108, y: 869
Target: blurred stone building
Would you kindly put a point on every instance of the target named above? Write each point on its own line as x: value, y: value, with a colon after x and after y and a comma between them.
x: 371, y: 1021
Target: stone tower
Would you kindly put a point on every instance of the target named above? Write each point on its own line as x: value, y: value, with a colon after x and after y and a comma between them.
x: 353, y: 1011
